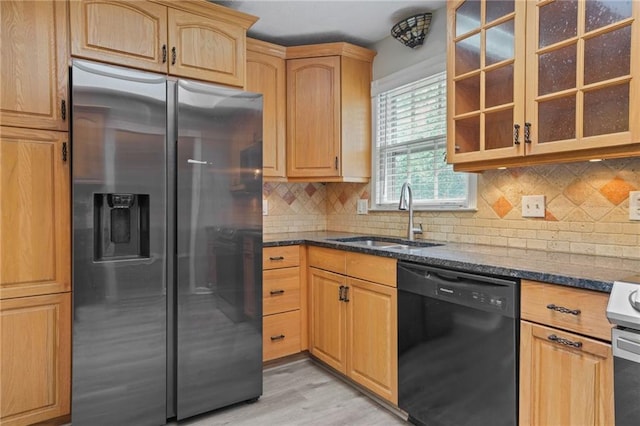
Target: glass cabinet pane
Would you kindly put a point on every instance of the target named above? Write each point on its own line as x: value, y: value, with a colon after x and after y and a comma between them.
x: 607, y: 55
x: 498, y: 129
x: 468, y: 54
x: 468, y: 94
x: 468, y: 135
x: 600, y: 13
x: 606, y: 110
x: 497, y: 9
x: 467, y: 17
x: 498, y: 85
x: 499, y: 43
x: 558, y: 21
x: 557, y: 119
x: 557, y: 70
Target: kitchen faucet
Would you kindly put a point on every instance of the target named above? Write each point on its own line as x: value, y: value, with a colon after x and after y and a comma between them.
x: 406, y: 203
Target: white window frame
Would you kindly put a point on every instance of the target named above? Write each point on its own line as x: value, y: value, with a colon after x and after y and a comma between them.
x: 409, y: 75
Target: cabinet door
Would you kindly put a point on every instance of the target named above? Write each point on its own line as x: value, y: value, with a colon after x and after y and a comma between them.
x: 328, y: 340
x: 206, y: 49
x: 128, y: 33
x: 34, y: 66
x: 581, y: 60
x: 486, y: 60
x: 35, y: 218
x: 266, y: 74
x: 561, y: 384
x: 313, y: 117
x: 35, y: 358
x: 373, y: 337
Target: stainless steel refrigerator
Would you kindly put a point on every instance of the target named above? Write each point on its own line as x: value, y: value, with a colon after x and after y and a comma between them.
x: 167, y: 246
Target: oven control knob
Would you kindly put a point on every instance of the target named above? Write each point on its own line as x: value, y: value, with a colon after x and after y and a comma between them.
x: 634, y: 299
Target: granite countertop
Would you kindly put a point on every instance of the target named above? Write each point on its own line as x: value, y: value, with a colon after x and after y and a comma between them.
x: 574, y: 270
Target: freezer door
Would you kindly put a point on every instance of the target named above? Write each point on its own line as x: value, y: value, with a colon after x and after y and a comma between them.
x: 119, y: 214
x: 219, y: 247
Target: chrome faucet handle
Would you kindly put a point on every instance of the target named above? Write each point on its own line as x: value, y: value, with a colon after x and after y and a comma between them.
x: 418, y: 229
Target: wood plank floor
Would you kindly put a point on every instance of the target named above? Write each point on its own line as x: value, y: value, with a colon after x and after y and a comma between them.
x: 302, y: 393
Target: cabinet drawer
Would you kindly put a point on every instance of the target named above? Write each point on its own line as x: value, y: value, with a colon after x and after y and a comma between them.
x: 328, y: 259
x: 281, y: 290
x: 372, y: 268
x: 280, y: 335
x: 545, y: 303
x: 280, y: 257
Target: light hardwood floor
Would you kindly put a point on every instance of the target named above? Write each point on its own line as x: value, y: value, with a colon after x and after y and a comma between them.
x: 302, y: 393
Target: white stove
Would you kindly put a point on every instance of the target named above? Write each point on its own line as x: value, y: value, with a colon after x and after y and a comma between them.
x: 623, y: 310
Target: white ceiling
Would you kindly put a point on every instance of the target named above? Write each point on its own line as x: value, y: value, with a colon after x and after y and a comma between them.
x: 297, y: 22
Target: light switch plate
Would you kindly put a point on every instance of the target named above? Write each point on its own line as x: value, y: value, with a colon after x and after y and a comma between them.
x: 265, y: 208
x: 363, y: 207
x: 634, y: 205
x: 533, y: 206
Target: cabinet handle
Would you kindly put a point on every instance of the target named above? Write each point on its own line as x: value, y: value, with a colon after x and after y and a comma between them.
x: 564, y: 342
x: 276, y: 292
x: 63, y: 109
x: 173, y: 55
x: 64, y: 152
x: 164, y: 53
x: 516, y: 134
x: 563, y: 310
x: 276, y: 258
x: 278, y: 337
x: 527, y: 132
x: 346, y: 294
x: 340, y: 291
x: 336, y: 162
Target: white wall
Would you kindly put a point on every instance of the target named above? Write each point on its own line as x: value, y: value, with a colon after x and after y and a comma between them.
x: 393, y: 56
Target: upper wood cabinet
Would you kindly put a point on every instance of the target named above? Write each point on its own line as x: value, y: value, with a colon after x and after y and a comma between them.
x: 329, y: 113
x: 266, y: 74
x: 195, y: 39
x: 34, y: 65
x: 35, y: 250
x: 35, y: 337
x: 571, y: 107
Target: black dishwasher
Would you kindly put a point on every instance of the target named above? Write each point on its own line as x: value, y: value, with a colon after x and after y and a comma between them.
x: 458, y: 337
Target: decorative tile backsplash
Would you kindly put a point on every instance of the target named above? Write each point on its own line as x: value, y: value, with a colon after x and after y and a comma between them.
x: 586, y: 210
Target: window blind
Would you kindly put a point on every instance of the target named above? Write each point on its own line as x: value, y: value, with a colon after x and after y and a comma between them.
x: 411, y: 139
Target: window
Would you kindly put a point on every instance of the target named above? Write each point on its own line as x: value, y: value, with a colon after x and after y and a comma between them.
x: 411, y: 144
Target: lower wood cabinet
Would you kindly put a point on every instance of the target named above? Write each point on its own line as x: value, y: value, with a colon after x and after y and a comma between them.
x: 353, y: 329
x: 35, y: 360
x: 280, y: 335
x: 565, y: 378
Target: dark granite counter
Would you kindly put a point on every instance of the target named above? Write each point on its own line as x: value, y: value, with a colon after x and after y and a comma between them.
x: 575, y: 270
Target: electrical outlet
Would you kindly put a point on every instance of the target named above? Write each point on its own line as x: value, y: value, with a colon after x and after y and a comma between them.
x: 265, y: 208
x: 363, y: 207
x: 634, y: 205
x: 533, y: 206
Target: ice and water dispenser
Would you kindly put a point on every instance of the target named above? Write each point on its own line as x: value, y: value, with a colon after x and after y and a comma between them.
x: 121, y: 226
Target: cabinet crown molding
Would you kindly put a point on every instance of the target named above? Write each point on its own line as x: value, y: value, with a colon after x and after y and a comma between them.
x: 211, y: 10
x: 331, y: 49
x: 264, y: 47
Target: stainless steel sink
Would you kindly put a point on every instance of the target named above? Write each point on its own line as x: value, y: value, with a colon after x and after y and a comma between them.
x: 384, y: 242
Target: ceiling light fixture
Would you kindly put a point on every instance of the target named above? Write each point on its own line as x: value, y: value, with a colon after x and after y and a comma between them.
x: 412, y: 30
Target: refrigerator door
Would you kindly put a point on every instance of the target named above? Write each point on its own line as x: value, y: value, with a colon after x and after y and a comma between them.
x: 119, y: 215
x: 219, y: 247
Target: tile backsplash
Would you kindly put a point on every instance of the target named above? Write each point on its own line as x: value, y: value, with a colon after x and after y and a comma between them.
x: 586, y: 210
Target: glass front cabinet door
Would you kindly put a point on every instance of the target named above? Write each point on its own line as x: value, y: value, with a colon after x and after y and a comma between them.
x: 553, y: 80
